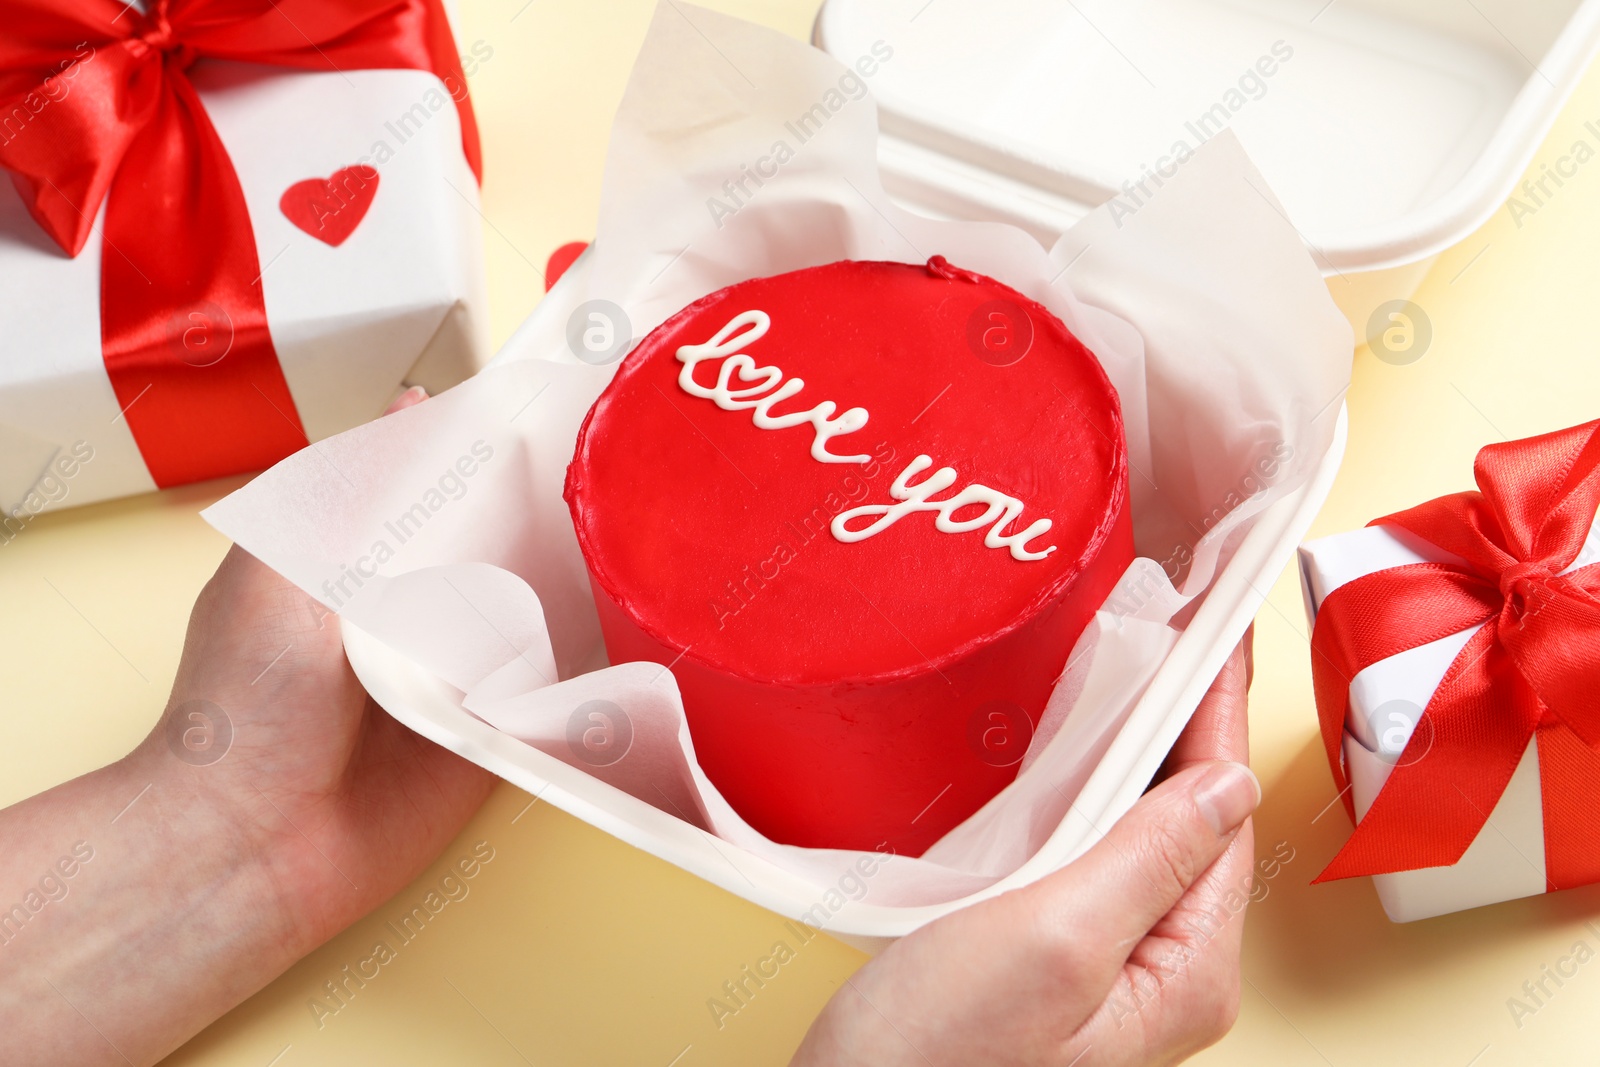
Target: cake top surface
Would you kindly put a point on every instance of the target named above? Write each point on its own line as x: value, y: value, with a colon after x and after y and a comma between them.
x: 849, y: 472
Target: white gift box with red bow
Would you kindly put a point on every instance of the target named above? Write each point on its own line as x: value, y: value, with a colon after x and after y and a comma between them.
x: 1506, y: 860
x: 397, y: 300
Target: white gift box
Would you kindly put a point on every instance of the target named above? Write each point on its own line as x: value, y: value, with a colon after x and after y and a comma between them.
x: 401, y: 301
x: 1506, y: 860
x: 440, y: 535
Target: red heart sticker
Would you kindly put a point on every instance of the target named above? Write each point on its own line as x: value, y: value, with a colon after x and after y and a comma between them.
x: 330, y: 209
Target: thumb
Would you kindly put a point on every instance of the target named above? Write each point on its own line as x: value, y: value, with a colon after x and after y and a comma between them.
x: 1112, y: 895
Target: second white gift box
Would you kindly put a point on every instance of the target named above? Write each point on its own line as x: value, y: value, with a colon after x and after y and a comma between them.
x: 1507, y: 858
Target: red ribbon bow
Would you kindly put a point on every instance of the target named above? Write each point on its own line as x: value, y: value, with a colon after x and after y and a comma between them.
x: 1533, y: 669
x: 96, y: 106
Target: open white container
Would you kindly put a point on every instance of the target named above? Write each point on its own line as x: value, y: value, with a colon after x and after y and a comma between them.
x: 418, y: 648
x: 1389, y: 129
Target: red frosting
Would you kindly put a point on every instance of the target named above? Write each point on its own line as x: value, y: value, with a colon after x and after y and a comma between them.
x: 868, y: 694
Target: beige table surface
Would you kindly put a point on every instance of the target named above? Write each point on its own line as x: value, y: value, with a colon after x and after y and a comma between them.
x: 574, y: 949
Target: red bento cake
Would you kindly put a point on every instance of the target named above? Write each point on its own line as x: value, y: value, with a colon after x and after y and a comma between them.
x: 863, y: 511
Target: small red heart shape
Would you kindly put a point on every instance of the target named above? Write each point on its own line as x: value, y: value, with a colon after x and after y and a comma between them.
x: 330, y: 209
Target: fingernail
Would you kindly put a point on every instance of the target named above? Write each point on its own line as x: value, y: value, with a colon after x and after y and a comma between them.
x: 1226, y: 795
x: 415, y: 393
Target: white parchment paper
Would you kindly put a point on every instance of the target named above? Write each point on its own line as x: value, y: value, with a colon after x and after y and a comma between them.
x: 441, y: 530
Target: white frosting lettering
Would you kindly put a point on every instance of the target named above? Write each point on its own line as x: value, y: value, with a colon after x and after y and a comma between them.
x: 727, y: 345
x: 759, y: 389
x: 999, y: 511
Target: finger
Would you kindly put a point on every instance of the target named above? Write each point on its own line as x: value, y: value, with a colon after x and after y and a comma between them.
x: 410, y: 398
x: 1109, y: 899
x: 1219, y: 729
x: 1179, y: 990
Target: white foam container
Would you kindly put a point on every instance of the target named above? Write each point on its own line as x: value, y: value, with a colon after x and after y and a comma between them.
x: 431, y: 707
x: 428, y: 705
x: 1392, y: 130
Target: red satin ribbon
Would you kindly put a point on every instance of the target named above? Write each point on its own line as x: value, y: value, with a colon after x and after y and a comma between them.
x: 96, y: 107
x: 1533, y: 670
